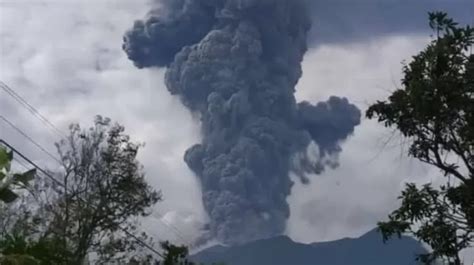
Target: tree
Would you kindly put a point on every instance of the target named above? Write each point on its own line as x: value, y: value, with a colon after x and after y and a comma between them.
x: 104, y: 188
x: 10, y: 246
x: 20, y: 250
x: 434, y: 109
x: 176, y: 255
x: 89, y: 209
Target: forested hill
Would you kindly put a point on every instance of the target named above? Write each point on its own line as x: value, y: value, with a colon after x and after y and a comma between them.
x: 365, y: 250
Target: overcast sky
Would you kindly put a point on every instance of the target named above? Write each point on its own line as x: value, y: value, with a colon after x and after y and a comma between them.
x: 65, y: 58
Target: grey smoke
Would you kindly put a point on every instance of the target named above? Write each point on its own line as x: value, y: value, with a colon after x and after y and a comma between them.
x: 236, y: 64
x: 344, y: 21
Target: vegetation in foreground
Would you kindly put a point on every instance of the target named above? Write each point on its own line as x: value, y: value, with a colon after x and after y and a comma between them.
x: 434, y: 111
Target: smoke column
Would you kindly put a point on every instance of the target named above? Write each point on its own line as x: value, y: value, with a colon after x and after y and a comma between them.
x: 236, y: 64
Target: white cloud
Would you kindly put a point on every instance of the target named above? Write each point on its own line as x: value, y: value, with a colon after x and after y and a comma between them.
x: 350, y: 200
x: 65, y: 58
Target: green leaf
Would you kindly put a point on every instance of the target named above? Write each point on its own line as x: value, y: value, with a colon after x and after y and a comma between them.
x: 10, y: 158
x: 2, y: 175
x: 3, y: 158
x: 22, y: 259
x: 8, y: 196
x: 25, y: 177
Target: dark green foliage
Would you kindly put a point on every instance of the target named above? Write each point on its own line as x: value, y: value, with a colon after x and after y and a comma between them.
x: 442, y: 223
x: 177, y: 255
x: 13, y: 249
x: 434, y: 109
x: 7, y: 195
x: 9, y: 181
x: 18, y: 248
x: 18, y: 260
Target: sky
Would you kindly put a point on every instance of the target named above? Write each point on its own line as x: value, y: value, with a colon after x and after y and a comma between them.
x: 64, y: 57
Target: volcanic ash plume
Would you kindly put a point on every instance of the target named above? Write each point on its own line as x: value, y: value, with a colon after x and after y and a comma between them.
x: 236, y: 64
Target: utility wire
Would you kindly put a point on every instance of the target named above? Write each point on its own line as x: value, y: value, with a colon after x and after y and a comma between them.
x: 4, y: 143
x: 11, y: 92
x: 138, y: 240
x: 168, y: 225
x: 29, y: 138
x: 173, y: 228
x: 144, y: 244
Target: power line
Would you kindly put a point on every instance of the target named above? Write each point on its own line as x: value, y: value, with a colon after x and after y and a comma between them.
x: 144, y: 244
x: 46, y: 122
x: 4, y: 143
x: 169, y: 226
x: 29, y: 138
x: 138, y: 240
x: 172, y: 227
x: 30, y: 108
x: 49, y: 124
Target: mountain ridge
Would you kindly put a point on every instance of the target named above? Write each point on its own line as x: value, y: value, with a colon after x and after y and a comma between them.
x: 367, y: 249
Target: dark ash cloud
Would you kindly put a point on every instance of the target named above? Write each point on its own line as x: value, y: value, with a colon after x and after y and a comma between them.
x: 345, y: 21
x: 236, y: 64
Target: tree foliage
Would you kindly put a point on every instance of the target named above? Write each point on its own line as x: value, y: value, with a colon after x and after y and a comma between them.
x: 10, y: 181
x: 104, y: 188
x: 176, y: 255
x: 99, y: 192
x: 19, y: 249
x: 100, y: 188
x: 434, y: 109
x: 11, y: 246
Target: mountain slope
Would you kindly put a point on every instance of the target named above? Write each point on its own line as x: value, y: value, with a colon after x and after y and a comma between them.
x: 365, y: 250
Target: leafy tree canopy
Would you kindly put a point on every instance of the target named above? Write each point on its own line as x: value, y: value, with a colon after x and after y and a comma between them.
x: 434, y: 109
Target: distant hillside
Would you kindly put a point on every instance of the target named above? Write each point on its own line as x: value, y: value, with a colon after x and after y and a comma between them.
x: 365, y: 250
